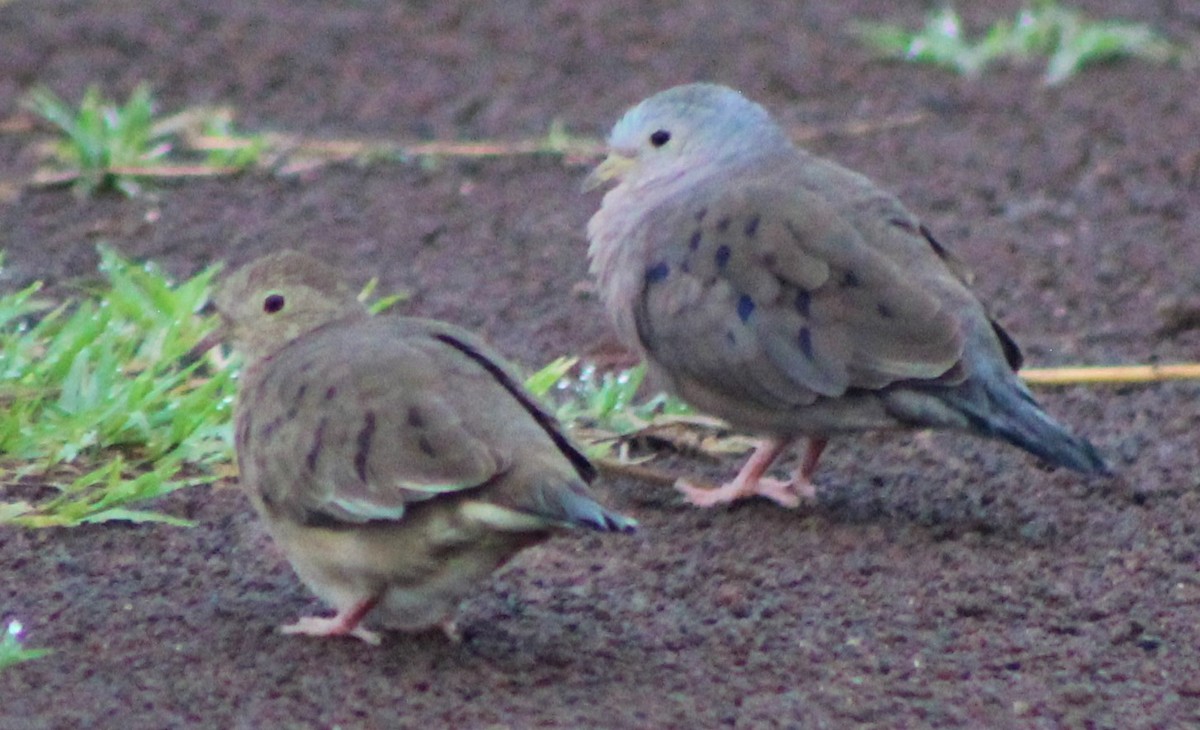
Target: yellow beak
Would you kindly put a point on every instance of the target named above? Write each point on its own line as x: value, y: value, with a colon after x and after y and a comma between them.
x: 613, y: 167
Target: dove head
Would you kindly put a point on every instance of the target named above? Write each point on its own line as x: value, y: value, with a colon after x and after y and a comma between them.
x: 275, y: 299
x: 684, y: 127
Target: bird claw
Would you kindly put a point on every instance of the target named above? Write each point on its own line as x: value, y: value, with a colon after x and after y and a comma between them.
x: 785, y: 493
x: 332, y: 626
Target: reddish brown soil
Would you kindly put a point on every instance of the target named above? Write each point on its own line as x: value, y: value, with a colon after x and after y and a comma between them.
x: 941, y: 582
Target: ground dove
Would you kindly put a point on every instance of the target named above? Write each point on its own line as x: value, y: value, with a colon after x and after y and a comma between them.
x: 793, y: 297
x: 396, y: 461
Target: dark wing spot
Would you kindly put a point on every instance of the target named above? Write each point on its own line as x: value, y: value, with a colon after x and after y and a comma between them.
x: 260, y: 460
x: 745, y: 307
x: 751, y: 227
x: 365, y: 434
x: 903, y: 224
x: 850, y: 280
x: 314, y: 451
x: 268, y: 430
x: 723, y: 224
x: 730, y: 337
x: 331, y: 393
x: 694, y: 243
x: 700, y: 214
x: 884, y: 310
x: 722, y: 256
x: 938, y: 248
x: 657, y: 272
x: 301, y: 391
x: 804, y: 340
x: 803, y: 303
x: 415, y: 419
x: 425, y: 447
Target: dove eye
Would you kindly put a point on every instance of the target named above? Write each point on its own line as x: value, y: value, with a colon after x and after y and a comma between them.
x: 660, y: 138
x: 273, y: 303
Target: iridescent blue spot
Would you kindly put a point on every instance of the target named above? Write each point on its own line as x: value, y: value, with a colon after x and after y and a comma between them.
x: 722, y: 256
x: 695, y: 242
x: 745, y: 307
x: 805, y: 342
x: 803, y: 302
x: 657, y: 272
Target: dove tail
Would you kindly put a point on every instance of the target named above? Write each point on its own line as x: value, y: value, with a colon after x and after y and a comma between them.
x: 571, y: 504
x: 1008, y: 411
x: 559, y: 505
x: 551, y: 498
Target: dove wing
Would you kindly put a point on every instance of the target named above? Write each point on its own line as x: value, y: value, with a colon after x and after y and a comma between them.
x: 774, y: 296
x: 330, y: 433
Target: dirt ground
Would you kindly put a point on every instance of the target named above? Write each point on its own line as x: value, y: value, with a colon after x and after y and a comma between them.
x: 942, y: 581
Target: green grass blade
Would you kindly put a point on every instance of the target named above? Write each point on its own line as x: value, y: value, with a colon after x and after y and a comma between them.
x: 12, y: 652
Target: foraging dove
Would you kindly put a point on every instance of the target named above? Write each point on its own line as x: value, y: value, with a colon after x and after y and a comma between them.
x: 396, y: 461
x: 793, y: 297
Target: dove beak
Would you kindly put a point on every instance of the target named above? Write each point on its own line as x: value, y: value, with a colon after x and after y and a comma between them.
x: 209, y: 341
x: 613, y: 167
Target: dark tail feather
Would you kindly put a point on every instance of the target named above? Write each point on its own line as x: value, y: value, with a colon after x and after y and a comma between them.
x: 573, y: 504
x: 1010, y: 413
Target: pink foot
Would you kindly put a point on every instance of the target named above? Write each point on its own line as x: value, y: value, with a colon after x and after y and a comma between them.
x: 347, y: 622
x: 750, y: 481
x: 332, y: 626
x: 788, y: 494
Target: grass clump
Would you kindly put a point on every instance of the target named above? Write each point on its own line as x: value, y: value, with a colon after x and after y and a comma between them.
x: 107, y: 145
x: 1068, y: 39
x: 602, y: 408
x: 12, y: 651
x: 223, y: 146
x: 101, y: 138
x: 98, y: 403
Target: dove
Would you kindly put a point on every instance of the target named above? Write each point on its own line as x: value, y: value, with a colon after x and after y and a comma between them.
x: 793, y: 297
x: 396, y: 461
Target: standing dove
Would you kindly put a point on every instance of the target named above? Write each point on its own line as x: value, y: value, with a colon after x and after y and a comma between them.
x: 793, y: 297
x: 396, y: 461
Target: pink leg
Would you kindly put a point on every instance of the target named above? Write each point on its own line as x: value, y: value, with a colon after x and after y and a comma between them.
x: 345, y: 623
x: 802, y: 483
x: 750, y: 481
